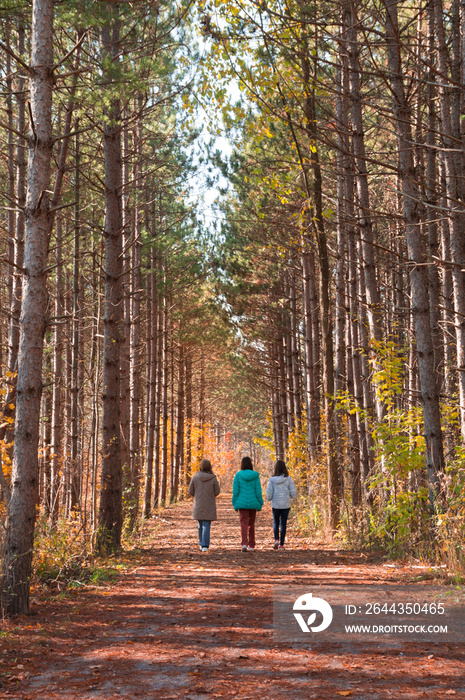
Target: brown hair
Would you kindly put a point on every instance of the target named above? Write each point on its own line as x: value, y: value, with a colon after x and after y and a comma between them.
x: 280, y: 468
x: 206, y: 466
x: 246, y: 463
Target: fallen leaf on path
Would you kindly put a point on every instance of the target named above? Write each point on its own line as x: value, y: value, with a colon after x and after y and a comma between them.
x: 345, y: 693
x: 19, y: 677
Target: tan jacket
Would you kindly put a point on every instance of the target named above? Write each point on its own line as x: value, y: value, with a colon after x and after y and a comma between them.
x: 205, y: 488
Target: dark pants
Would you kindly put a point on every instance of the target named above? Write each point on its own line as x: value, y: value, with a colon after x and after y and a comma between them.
x: 247, y: 518
x: 280, y: 514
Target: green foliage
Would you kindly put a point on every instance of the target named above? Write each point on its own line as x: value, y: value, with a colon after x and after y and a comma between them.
x: 388, y: 371
x: 399, y: 444
x: 399, y: 517
x: 400, y: 520
x: 309, y: 517
x: 103, y: 575
x: 61, y: 555
x: 450, y: 523
x: 405, y: 522
x: 63, y: 558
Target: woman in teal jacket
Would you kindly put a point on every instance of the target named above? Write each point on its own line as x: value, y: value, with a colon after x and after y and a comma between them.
x: 247, y: 499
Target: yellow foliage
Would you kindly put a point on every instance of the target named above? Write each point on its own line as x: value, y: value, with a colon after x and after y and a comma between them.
x: 5, y: 446
x: 206, y: 446
x: 297, y: 453
x: 267, y: 440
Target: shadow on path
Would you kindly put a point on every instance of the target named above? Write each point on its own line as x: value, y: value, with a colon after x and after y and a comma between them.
x: 185, y: 624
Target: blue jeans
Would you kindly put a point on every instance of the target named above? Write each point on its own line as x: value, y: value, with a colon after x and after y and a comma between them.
x: 204, y: 533
x: 280, y: 514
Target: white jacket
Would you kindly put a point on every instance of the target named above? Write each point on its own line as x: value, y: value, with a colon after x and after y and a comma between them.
x: 280, y: 490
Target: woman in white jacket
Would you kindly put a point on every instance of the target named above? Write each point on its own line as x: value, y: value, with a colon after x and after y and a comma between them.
x: 280, y: 490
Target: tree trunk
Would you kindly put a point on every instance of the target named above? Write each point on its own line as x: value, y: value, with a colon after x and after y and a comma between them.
x: 342, y: 112
x: 15, y: 306
x: 125, y: 349
x: 135, y: 362
x: 311, y: 346
x: 188, y: 373
x: 454, y: 205
x: 202, y: 417
x: 19, y: 534
x: 56, y: 456
x: 164, y: 402
x: 151, y: 382
x: 11, y: 173
x: 417, y: 259
x: 278, y: 431
x: 95, y: 370
x: 179, y: 424
x: 172, y: 418
x: 75, y: 466
x: 110, y: 510
x: 158, y: 405
x: 295, y: 356
x: 363, y: 206
x: 316, y: 217
x: 284, y: 415
x: 431, y: 205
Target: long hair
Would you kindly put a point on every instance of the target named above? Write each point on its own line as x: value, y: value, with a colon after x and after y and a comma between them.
x: 246, y: 463
x: 206, y: 466
x: 280, y: 468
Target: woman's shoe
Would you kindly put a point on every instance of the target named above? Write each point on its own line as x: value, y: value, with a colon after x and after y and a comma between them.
x: 276, y: 544
x: 244, y: 547
x: 250, y: 549
x: 281, y: 546
x: 204, y: 549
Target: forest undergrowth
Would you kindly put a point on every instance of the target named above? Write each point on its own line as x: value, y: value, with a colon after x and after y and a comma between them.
x: 65, y: 556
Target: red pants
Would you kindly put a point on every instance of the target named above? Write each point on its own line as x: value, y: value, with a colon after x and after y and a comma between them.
x: 247, y: 518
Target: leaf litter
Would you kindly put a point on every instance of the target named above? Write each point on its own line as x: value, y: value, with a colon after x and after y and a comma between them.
x: 187, y: 624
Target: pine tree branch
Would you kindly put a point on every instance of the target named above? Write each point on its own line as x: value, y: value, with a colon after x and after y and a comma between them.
x: 16, y: 58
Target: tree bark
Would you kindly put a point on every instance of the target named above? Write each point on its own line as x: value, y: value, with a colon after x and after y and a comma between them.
x: 15, y: 306
x: 19, y: 534
x: 453, y: 171
x: 75, y: 466
x: 361, y: 178
x: 151, y: 382
x: 158, y: 405
x: 56, y: 457
x: 125, y: 349
x: 417, y: 259
x: 311, y: 346
x: 135, y: 361
x: 188, y: 374
x: 316, y: 217
x: 164, y: 401
x: 110, y: 509
x: 179, y: 424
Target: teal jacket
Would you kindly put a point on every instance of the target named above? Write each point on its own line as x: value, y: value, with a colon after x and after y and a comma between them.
x: 247, y: 491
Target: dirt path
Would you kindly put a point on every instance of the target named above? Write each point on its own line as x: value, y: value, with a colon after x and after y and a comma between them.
x: 182, y: 624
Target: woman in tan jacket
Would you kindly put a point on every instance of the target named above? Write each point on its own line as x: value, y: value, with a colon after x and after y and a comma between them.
x: 205, y: 488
